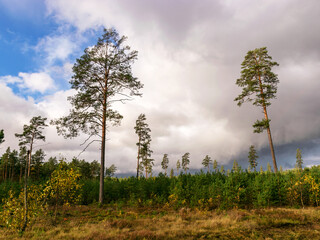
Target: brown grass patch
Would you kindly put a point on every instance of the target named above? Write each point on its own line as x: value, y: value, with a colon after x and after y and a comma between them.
x: 91, y: 222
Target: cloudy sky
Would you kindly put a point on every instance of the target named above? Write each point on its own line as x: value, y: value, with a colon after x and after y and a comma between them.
x: 190, y: 55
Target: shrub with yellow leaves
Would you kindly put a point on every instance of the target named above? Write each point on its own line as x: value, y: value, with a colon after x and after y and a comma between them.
x: 13, y: 212
x: 63, y: 188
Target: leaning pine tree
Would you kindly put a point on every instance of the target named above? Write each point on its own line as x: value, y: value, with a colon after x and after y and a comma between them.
x: 101, y: 76
x: 258, y: 80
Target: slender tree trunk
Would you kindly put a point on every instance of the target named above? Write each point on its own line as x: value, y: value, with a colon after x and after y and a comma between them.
x: 138, y: 157
x: 268, y: 128
x: 6, y: 169
x: 9, y: 172
x: 103, y: 136
x: 272, y: 150
x: 103, y: 150
x: 26, y: 193
x: 12, y: 171
x: 270, y: 140
x: 29, y: 164
x: 20, y: 173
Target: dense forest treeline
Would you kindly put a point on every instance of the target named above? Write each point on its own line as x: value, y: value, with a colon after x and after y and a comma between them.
x: 236, y: 188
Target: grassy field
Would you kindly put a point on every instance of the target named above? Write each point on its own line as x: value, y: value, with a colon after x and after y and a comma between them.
x: 112, y: 222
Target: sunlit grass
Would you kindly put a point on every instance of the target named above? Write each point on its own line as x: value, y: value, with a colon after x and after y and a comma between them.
x: 112, y: 222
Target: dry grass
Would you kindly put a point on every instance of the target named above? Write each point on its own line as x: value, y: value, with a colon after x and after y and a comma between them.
x: 90, y: 222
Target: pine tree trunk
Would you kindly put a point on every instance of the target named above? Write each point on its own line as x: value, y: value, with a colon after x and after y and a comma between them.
x: 20, y: 173
x: 268, y: 128
x: 138, y: 157
x: 6, y: 170
x: 26, y: 193
x: 103, y: 136
x: 29, y: 164
x: 103, y: 150
x: 270, y: 140
x: 272, y: 150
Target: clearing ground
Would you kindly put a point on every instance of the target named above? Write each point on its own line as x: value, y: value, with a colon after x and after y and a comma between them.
x: 114, y: 222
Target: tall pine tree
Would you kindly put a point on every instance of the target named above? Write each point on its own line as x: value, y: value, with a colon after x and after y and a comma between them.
x: 258, y: 80
x: 101, y: 77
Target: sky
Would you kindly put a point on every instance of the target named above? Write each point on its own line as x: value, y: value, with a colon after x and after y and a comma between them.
x: 189, y: 58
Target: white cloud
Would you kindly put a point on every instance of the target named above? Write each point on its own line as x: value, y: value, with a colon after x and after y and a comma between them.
x: 33, y: 82
x: 40, y: 82
x: 56, y: 48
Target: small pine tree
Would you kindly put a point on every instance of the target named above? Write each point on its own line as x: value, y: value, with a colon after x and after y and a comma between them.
x: 206, y: 162
x: 110, y: 171
x: 185, y: 161
x: 252, y: 156
x: 165, y: 163
x: 215, y: 165
x: 178, y: 166
x: 281, y: 169
x: 269, y: 168
x: 249, y: 169
x: 171, y: 173
x: 299, y: 161
x: 235, y: 166
x: 222, y: 169
x: 261, y: 169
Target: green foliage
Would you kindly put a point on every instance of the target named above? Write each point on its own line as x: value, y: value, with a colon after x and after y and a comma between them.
x: 101, y: 75
x: 257, y: 78
x: 260, y: 125
x: 206, y: 162
x: 299, y: 161
x: 1, y: 136
x: 185, y: 162
x: 63, y: 187
x: 111, y: 170
x: 37, y: 163
x: 252, y: 156
x: 171, y: 173
x: 32, y: 132
x: 222, y: 169
x: 165, y: 163
x: 178, y: 165
x: 269, y: 168
x: 235, y: 166
x: 145, y: 162
x: 215, y: 165
x: 13, y: 211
